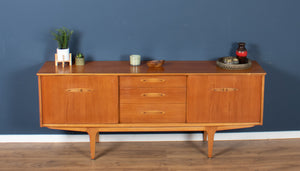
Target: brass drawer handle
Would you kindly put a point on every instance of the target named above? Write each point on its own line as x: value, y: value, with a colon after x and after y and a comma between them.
x: 153, y: 112
x: 78, y: 90
x: 153, y: 80
x: 224, y: 89
x: 153, y: 94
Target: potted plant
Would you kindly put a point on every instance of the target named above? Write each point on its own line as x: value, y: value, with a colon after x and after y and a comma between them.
x: 79, y: 59
x: 62, y: 36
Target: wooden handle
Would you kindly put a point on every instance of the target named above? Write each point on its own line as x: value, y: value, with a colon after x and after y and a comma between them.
x: 153, y: 112
x: 78, y: 90
x: 153, y: 80
x: 224, y: 89
x: 153, y: 94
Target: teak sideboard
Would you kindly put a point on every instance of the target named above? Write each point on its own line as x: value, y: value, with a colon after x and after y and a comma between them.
x: 112, y: 96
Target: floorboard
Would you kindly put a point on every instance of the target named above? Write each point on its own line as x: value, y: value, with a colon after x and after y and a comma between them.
x: 139, y: 156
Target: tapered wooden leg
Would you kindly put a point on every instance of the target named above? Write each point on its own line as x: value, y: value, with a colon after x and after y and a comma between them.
x: 210, y: 133
x: 56, y: 59
x: 70, y: 59
x: 97, y: 138
x: 204, y: 136
x: 93, y: 134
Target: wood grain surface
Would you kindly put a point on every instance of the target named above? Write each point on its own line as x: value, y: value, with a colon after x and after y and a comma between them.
x: 152, y: 81
x: 153, y: 95
x: 152, y: 113
x: 80, y: 99
x: 124, y: 68
x: 224, y: 99
x: 260, y: 155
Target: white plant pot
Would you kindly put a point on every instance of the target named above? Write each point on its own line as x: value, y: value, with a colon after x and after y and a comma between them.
x: 63, y: 54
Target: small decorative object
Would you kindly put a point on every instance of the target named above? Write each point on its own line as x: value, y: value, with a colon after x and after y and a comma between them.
x: 62, y: 36
x: 241, y: 53
x: 135, y: 60
x: 230, y: 63
x: 230, y: 60
x: 155, y: 63
x: 79, y: 59
x: 235, y: 60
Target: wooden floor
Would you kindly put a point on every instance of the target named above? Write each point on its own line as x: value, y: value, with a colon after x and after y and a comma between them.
x: 282, y: 155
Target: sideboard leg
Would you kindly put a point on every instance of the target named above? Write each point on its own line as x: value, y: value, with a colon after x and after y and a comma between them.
x: 93, y: 134
x: 204, y: 136
x: 210, y: 133
x: 97, y: 138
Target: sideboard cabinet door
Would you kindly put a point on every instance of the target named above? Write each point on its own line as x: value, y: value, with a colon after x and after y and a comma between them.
x: 232, y: 99
x: 79, y: 99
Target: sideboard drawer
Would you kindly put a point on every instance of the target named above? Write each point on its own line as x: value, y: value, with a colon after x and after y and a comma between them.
x: 153, y: 95
x: 152, y: 113
x: 152, y: 81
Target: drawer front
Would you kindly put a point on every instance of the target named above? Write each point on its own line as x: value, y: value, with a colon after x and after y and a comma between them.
x: 152, y: 113
x: 152, y: 81
x: 152, y: 95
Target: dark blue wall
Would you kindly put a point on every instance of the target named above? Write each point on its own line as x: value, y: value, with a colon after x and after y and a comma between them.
x: 168, y: 29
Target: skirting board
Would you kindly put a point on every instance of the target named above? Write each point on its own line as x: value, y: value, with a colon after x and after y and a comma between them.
x: 149, y: 137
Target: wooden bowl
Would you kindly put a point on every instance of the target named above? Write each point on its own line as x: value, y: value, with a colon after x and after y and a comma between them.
x: 155, y: 63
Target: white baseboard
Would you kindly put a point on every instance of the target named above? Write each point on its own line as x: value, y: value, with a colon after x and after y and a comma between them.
x: 149, y: 137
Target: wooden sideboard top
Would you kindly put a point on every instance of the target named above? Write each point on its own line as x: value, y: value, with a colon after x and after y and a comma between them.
x: 124, y: 68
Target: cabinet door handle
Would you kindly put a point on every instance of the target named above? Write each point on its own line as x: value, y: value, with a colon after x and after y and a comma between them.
x: 153, y: 80
x: 153, y: 94
x: 78, y: 90
x: 153, y: 112
x: 224, y: 89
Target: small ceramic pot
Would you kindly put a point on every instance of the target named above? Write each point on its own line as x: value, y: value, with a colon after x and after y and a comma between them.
x: 135, y: 60
x: 79, y: 61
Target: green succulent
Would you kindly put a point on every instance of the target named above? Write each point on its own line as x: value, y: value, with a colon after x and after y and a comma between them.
x: 62, y: 36
x: 79, y: 55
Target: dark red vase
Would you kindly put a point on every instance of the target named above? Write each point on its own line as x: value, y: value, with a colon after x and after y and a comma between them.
x: 241, y: 53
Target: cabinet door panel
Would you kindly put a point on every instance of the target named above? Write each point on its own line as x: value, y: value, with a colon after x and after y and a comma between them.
x: 79, y: 99
x: 215, y: 99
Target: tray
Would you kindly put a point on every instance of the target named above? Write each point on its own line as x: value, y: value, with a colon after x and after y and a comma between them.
x: 223, y: 65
